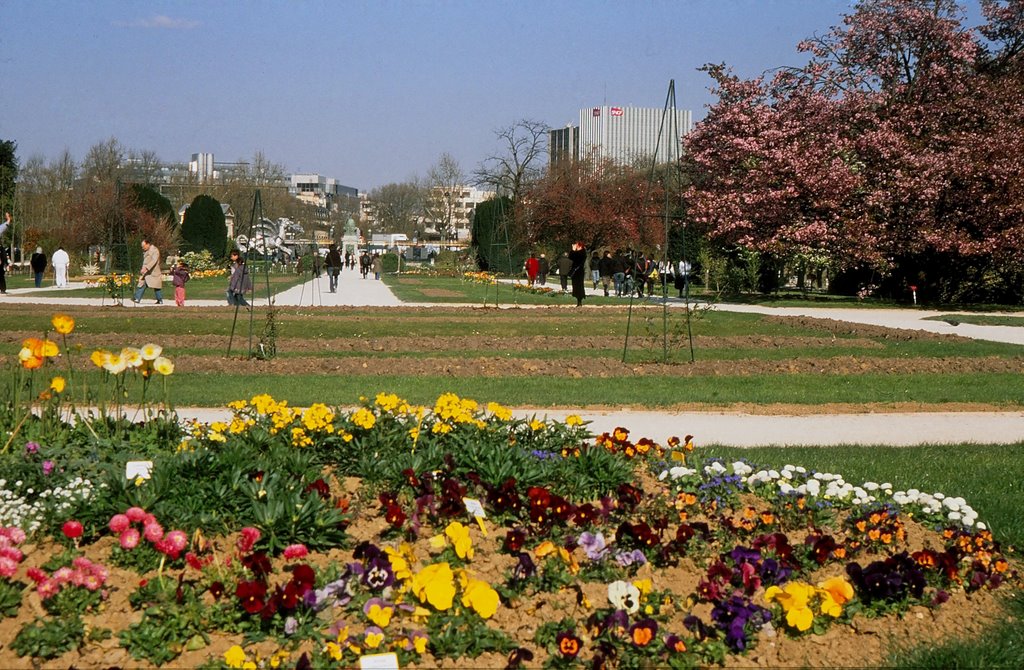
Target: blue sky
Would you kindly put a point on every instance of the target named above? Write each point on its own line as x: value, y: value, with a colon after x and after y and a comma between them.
x: 366, y: 92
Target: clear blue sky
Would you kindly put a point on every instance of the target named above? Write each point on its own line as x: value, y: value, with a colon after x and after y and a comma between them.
x: 366, y: 92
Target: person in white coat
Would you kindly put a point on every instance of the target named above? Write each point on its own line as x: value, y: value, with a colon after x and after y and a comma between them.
x: 60, y: 262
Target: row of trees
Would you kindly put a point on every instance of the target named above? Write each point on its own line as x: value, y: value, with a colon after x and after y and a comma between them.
x: 895, y: 155
x: 112, y: 198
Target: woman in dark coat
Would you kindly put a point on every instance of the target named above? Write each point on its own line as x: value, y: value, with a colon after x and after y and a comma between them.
x: 578, y: 256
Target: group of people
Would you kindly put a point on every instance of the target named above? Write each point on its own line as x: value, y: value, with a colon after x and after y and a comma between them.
x: 571, y: 268
x: 624, y: 272
x: 38, y: 262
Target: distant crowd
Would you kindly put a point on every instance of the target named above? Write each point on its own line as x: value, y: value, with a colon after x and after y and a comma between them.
x: 626, y: 272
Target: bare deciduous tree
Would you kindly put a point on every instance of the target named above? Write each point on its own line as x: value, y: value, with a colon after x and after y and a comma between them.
x: 396, y: 207
x: 524, y: 144
x: 444, y: 181
x: 104, y: 161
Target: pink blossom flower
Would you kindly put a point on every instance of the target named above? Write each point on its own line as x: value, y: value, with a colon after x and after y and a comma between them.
x: 295, y: 551
x: 47, y: 589
x: 119, y: 523
x: 148, y: 519
x: 15, y: 534
x: 135, y: 514
x: 153, y: 532
x: 7, y: 567
x: 62, y: 575
x: 250, y: 536
x: 130, y: 538
x: 177, y: 540
x: 92, y: 582
x: 11, y: 553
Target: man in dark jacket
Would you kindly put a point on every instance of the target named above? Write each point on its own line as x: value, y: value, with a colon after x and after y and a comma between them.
x: 564, y: 270
x: 606, y: 270
x: 38, y: 263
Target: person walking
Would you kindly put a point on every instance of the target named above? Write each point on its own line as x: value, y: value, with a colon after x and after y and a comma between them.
x: 606, y: 270
x: 364, y: 263
x: 619, y: 266
x: 565, y: 267
x: 38, y: 264
x: 239, y: 283
x: 532, y: 267
x: 595, y: 270
x: 60, y: 262
x: 682, y: 278
x: 149, y: 275
x: 578, y: 258
x: 543, y: 268
x: 378, y: 266
x: 5, y: 264
x: 179, y: 276
x: 333, y: 263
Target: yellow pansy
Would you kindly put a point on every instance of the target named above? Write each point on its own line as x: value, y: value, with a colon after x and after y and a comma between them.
x: 834, y: 593
x: 380, y: 615
x: 434, y: 584
x: 795, y: 599
x: 234, y: 657
x: 573, y: 420
x: 459, y: 535
x: 333, y: 649
x: 400, y: 560
x: 481, y: 597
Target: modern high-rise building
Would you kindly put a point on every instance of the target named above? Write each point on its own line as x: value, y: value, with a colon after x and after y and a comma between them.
x: 622, y: 134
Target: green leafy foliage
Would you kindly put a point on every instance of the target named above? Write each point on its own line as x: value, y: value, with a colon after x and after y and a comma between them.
x: 49, y: 638
x: 204, y: 227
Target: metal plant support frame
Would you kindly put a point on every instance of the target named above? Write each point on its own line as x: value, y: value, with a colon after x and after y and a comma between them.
x: 673, y: 159
x: 501, y: 221
x: 256, y: 215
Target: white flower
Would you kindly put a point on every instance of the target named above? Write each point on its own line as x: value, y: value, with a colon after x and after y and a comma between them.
x: 624, y: 596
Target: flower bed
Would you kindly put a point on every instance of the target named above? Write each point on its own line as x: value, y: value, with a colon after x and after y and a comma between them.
x: 457, y: 535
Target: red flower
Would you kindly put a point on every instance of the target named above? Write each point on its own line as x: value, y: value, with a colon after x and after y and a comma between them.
x: 303, y: 577
x: 72, y: 529
x: 514, y: 540
x: 251, y: 595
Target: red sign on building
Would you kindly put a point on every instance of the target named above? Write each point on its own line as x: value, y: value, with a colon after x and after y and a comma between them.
x: 597, y: 111
x: 616, y: 111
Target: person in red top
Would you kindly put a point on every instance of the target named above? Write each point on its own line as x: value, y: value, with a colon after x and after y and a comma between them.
x: 532, y: 266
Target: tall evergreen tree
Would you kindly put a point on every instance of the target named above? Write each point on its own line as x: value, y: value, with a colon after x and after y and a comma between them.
x: 204, y: 227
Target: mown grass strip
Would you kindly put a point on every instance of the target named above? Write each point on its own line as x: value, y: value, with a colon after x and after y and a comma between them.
x: 648, y: 392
